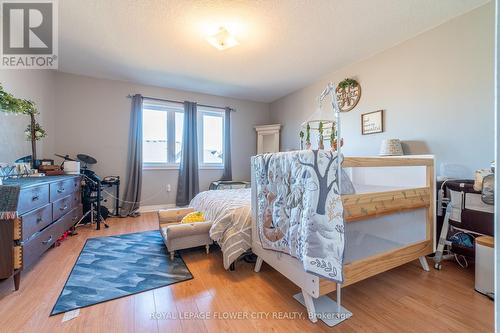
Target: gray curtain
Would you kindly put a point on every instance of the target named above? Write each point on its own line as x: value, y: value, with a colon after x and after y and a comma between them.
x: 188, y: 182
x: 132, y: 197
x: 228, y: 172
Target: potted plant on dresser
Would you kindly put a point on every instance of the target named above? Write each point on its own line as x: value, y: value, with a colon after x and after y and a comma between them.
x: 34, y: 132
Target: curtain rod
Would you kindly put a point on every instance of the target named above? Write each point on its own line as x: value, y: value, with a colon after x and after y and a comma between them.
x: 180, y: 102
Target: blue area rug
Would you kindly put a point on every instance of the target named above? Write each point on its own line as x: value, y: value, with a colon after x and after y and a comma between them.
x: 118, y: 266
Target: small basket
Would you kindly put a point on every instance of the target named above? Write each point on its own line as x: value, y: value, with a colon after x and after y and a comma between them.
x: 391, y: 147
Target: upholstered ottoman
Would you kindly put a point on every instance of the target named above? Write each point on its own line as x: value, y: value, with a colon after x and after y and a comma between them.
x: 177, y: 235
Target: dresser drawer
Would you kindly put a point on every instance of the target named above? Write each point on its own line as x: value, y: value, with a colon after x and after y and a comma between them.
x: 32, y: 198
x: 69, y: 220
x: 18, y: 257
x: 76, y: 199
x: 36, y: 220
x: 63, y: 188
x: 36, y: 246
x: 18, y: 230
x: 61, y: 206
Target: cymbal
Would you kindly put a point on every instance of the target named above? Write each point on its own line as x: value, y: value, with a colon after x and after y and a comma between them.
x: 65, y: 157
x: 86, y: 159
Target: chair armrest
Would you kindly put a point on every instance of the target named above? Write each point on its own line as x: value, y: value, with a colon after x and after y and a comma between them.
x: 173, y: 215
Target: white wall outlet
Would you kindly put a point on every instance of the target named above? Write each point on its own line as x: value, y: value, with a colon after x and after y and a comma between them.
x: 169, y: 188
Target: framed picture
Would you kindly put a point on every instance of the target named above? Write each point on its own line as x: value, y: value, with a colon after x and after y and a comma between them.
x: 47, y: 162
x: 372, y: 122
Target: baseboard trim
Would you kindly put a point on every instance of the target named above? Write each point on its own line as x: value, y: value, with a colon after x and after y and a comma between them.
x: 155, y: 208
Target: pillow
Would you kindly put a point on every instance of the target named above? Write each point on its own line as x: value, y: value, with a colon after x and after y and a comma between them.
x: 193, y: 217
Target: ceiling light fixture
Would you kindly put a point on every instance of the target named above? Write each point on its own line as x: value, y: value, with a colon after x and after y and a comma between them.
x: 222, y: 39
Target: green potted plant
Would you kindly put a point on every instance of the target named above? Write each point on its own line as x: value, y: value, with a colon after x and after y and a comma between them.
x: 34, y: 132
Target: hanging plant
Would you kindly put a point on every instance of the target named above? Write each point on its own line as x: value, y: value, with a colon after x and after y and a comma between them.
x: 308, y: 136
x: 321, y: 138
x: 301, y: 135
x: 333, y: 140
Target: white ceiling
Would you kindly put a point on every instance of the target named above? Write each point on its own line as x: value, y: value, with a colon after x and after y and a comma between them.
x: 285, y: 44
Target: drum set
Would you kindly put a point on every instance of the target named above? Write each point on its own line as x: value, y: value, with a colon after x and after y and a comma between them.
x: 92, y: 192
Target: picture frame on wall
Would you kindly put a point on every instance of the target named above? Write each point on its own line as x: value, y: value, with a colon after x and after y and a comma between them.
x: 372, y: 122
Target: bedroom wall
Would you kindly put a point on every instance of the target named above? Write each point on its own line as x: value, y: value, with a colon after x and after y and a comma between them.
x: 436, y: 90
x: 36, y: 85
x: 93, y: 118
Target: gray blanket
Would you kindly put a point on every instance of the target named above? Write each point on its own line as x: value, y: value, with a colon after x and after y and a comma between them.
x: 299, y: 209
x: 230, y: 212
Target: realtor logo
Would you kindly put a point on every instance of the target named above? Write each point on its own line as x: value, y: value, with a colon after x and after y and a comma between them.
x: 29, y: 34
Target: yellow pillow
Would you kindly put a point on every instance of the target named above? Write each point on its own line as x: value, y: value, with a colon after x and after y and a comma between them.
x: 193, y: 217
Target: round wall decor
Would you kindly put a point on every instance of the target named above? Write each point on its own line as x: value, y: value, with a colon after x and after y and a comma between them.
x: 348, y: 94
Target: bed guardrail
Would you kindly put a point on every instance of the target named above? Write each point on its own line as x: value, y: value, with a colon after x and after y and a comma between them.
x: 398, y: 194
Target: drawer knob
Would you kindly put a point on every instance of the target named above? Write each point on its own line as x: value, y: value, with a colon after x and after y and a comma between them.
x: 35, y: 198
x: 63, y: 208
x: 47, y: 241
x: 61, y: 190
x: 39, y: 219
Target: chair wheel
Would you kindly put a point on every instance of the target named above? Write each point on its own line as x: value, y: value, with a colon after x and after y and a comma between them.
x: 437, y: 266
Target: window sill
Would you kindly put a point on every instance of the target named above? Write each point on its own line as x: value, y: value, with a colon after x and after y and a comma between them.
x: 160, y: 167
x: 211, y: 167
x: 176, y: 167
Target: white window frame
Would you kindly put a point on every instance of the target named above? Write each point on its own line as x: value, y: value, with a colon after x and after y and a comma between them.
x: 171, y: 109
x: 215, y: 112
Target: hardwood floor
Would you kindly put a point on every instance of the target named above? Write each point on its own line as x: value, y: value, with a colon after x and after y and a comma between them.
x: 405, y: 299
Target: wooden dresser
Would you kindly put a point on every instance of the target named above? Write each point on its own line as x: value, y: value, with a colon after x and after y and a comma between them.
x: 46, y: 207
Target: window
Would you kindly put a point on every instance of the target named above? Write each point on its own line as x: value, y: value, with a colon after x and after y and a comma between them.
x: 162, y: 134
x: 163, y: 124
x: 155, y: 146
x: 211, y: 138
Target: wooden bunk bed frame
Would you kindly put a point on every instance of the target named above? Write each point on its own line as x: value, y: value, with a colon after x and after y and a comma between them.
x: 361, y: 207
